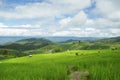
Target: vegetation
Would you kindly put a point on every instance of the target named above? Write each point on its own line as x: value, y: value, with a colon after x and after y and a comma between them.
x: 101, y: 64
x: 40, y: 46
x: 99, y: 58
x: 27, y: 44
x: 9, y: 53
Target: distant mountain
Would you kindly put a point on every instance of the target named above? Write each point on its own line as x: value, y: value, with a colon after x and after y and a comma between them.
x: 68, y: 38
x: 34, y: 40
x: 27, y: 44
x: 106, y: 43
x: 70, y: 41
x: 43, y: 45
x: 6, y: 39
x: 110, y: 40
x: 57, y: 39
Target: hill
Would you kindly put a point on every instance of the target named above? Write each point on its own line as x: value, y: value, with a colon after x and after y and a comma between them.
x: 41, y: 45
x: 112, y: 40
x: 56, y: 39
x: 34, y: 40
x: 101, y: 64
x: 107, y: 43
x: 70, y: 41
x: 9, y: 53
x: 61, y: 39
x: 9, y: 39
x: 27, y: 44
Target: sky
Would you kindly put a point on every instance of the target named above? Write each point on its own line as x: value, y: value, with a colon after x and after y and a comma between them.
x: 81, y: 18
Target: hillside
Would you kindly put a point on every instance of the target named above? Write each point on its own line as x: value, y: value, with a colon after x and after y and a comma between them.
x: 34, y: 40
x: 62, y: 39
x: 56, y: 39
x: 101, y: 64
x: 112, y: 40
x: 27, y: 44
x: 41, y: 45
x: 9, y: 53
x: 108, y: 43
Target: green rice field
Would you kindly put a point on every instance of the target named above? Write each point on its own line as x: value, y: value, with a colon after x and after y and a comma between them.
x: 101, y: 64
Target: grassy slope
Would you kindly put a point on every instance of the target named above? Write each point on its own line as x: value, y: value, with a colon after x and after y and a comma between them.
x: 27, y: 44
x: 102, y: 66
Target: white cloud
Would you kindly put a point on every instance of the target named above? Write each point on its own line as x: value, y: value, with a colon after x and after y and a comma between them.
x: 79, y: 19
x: 20, y: 30
x: 109, y: 8
x: 110, y: 12
x: 106, y: 23
x: 2, y: 25
x: 71, y: 6
x: 25, y: 25
x: 64, y: 21
x: 76, y: 21
x: 90, y: 22
x: 35, y: 10
x: 12, y: 32
x: 62, y: 33
x: 51, y: 19
x: 45, y: 10
x: 78, y: 32
x: 88, y: 32
x: 71, y: 31
x: 115, y: 32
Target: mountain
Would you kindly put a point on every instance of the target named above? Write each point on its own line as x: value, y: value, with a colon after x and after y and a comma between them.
x: 41, y: 45
x: 57, y: 39
x: 27, y: 44
x: 9, y: 53
x: 110, y: 40
x: 60, y: 39
x: 107, y: 43
x: 6, y: 39
x: 69, y: 41
x: 34, y: 40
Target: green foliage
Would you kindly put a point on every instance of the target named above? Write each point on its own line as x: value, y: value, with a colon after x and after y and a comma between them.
x: 8, y: 53
x: 110, y: 40
x: 101, y: 66
x: 40, y: 45
x: 27, y: 44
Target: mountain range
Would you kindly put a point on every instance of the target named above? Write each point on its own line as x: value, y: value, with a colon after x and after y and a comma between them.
x: 57, y: 39
x: 27, y: 46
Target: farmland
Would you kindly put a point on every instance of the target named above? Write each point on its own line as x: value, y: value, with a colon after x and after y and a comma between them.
x: 101, y: 64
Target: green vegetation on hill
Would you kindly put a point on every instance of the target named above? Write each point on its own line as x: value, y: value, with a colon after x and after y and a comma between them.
x: 30, y: 40
x: 100, y: 58
x: 112, y: 40
x: 101, y: 64
x: 8, y: 53
x: 27, y: 44
x: 41, y: 45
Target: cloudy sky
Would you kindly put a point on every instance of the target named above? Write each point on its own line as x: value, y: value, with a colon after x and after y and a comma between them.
x: 84, y: 18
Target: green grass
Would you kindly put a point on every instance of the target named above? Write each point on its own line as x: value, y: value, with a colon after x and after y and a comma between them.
x: 102, y: 66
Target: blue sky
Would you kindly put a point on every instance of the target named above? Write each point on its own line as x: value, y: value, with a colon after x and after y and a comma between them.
x: 83, y: 18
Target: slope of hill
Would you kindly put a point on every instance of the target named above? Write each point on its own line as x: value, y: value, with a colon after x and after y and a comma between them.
x: 78, y: 45
x: 67, y: 38
x: 70, y: 41
x: 9, y: 39
x: 27, y: 44
x: 110, y: 40
x: 101, y: 66
x: 57, y: 39
x: 9, y: 53
x: 41, y: 45
x: 34, y: 40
